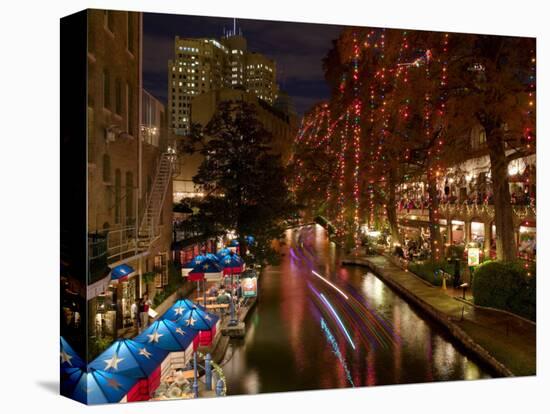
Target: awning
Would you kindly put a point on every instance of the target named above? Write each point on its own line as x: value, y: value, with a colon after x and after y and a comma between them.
x: 122, y: 272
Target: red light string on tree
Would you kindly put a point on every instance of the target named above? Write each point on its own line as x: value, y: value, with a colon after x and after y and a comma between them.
x: 356, y: 139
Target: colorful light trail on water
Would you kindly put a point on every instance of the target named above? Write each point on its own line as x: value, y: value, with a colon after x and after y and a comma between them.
x: 335, y: 314
x: 330, y: 284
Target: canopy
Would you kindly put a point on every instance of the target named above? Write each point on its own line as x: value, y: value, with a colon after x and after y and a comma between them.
x: 208, y: 269
x: 130, y: 358
x: 176, y: 311
x: 167, y: 335
x: 198, y: 259
x: 212, y: 256
x: 232, y: 263
x: 121, y: 272
x: 69, y: 358
x: 95, y: 387
x: 223, y: 252
x: 199, y: 320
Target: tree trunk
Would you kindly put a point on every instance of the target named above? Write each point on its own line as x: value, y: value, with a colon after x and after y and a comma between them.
x: 504, y: 214
x: 390, y: 208
x: 436, y: 245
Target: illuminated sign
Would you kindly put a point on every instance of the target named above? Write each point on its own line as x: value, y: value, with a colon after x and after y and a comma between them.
x: 249, y: 286
x: 473, y: 256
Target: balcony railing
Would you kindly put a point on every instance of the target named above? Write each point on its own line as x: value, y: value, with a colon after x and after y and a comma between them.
x: 522, y: 212
x: 122, y: 243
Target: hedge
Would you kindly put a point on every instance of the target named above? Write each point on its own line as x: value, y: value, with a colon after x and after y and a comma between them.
x: 429, y: 271
x: 508, y: 286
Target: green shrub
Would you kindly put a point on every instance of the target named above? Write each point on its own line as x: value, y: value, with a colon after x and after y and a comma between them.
x: 430, y: 271
x: 506, y: 286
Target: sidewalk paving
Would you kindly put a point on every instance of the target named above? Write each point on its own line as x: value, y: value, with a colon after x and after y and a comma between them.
x: 503, y: 340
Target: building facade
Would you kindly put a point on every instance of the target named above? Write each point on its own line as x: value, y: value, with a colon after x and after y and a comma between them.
x: 280, y: 125
x: 466, y: 208
x: 129, y: 174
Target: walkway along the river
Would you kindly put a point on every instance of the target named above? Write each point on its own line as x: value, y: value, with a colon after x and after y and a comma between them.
x: 503, y: 341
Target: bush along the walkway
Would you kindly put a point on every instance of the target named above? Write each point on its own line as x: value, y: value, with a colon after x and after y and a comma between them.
x: 430, y: 270
x: 506, y: 286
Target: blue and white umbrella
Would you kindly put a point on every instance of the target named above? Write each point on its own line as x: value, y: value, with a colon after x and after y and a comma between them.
x: 176, y: 311
x: 69, y: 358
x: 130, y: 358
x: 212, y: 256
x: 167, y: 335
x: 223, y: 252
x: 232, y: 264
x: 96, y: 386
x: 198, y: 319
x: 208, y: 269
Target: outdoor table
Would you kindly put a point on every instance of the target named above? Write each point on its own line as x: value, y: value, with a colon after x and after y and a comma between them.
x: 189, y: 374
x: 218, y: 306
x: 209, y: 298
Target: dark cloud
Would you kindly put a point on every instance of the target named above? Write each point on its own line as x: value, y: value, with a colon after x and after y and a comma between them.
x: 298, y: 49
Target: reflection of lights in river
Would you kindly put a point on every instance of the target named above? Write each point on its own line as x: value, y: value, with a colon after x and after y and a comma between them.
x: 336, y: 350
x: 344, y: 330
x: 329, y: 283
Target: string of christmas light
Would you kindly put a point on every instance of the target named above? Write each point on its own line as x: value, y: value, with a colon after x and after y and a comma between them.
x: 356, y: 138
x: 342, y: 177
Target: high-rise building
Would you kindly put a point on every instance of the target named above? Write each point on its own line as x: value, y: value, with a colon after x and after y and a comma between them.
x: 201, y: 65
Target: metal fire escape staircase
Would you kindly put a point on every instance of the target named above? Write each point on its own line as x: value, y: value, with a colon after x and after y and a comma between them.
x: 149, y: 227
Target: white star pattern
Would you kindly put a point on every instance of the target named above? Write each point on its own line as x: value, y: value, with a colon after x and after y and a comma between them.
x: 208, y: 318
x: 155, y: 336
x: 113, y: 362
x: 144, y: 352
x: 180, y: 310
x: 190, y: 321
x: 65, y: 357
x: 180, y: 331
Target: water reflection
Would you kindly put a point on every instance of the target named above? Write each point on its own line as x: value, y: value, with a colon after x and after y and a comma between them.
x: 295, y: 341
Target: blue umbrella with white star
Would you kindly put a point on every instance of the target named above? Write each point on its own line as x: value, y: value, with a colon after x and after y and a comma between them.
x: 195, y: 261
x: 130, y: 358
x: 223, y: 252
x: 167, y: 335
x: 212, y: 256
x: 69, y: 358
x: 232, y: 264
x: 176, y: 311
x: 96, y: 386
x: 198, y: 319
x: 208, y: 269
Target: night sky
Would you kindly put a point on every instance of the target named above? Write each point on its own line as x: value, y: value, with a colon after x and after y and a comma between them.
x: 297, y: 48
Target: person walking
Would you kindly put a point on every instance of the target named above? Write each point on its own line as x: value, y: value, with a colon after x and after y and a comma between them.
x: 134, y: 311
x: 144, y: 305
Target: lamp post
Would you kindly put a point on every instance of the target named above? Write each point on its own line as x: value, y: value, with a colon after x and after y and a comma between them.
x: 195, y: 376
x: 232, y: 320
